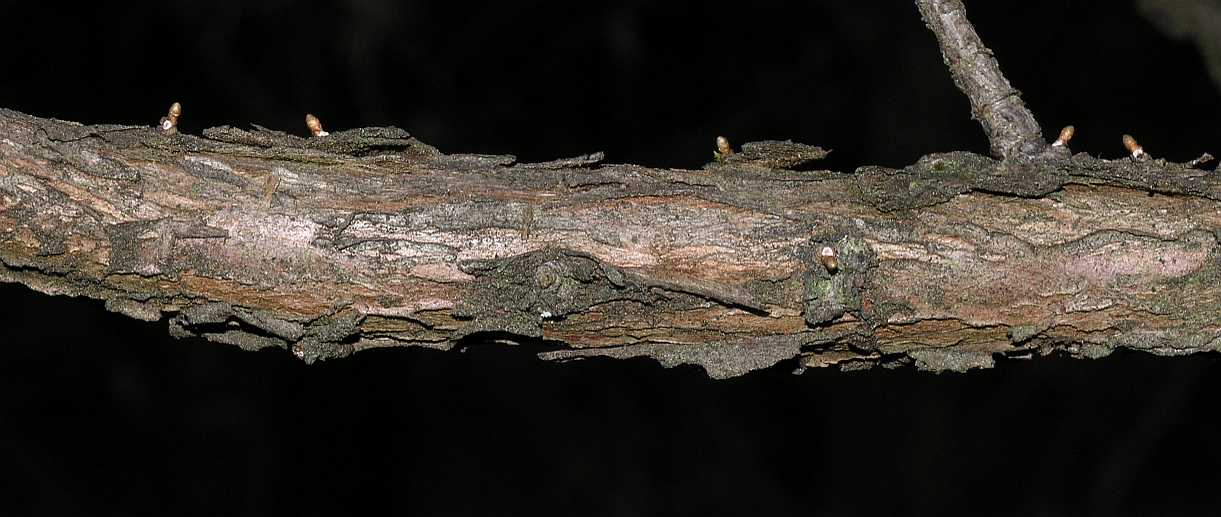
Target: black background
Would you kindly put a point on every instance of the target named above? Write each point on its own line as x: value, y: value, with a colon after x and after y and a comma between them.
x: 100, y: 414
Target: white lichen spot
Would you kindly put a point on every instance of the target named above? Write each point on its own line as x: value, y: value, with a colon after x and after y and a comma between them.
x: 283, y: 174
x: 210, y: 162
x: 91, y: 157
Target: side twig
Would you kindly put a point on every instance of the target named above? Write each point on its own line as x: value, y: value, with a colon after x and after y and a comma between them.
x: 1011, y: 128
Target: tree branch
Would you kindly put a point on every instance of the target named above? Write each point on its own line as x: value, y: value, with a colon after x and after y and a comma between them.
x: 1012, y: 130
x: 370, y: 238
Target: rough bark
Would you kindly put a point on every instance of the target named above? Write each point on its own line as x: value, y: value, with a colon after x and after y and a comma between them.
x: 1011, y: 128
x: 370, y: 238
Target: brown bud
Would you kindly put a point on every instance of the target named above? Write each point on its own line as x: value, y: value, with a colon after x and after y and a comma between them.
x: 314, y: 125
x: 1138, y: 152
x: 829, y: 259
x: 722, y: 146
x: 1066, y: 134
x: 169, y: 123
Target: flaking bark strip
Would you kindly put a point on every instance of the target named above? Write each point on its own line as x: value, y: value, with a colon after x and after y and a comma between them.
x: 771, y: 154
x: 133, y: 309
x: 248, y: 341
x: 938, y: 178
x: 211, y: 313
x: 374, y: 142
x: 584, y: 160
x: 516, y: 294
x: 354, y: 142
x: 729, y: 296
x: 326, y: 337
x: 938, y: 360
x: 288, y: 330
x: 330, y: 336
x: 721, y: 360
x: 474, y: 162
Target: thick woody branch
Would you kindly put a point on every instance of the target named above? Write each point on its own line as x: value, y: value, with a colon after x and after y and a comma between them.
x: 1012, y: 130
x: 369, y: 238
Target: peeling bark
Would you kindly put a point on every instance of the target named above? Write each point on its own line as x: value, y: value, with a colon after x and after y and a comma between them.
x: 370, y: 238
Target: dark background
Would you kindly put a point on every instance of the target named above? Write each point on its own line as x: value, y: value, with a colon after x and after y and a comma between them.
x: 101, y: 414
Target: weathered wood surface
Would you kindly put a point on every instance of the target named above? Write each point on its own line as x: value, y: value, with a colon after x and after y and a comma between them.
x: 369, y: 238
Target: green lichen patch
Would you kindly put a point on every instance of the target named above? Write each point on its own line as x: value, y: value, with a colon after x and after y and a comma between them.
x: 828, y: 294
x: 516, y: 294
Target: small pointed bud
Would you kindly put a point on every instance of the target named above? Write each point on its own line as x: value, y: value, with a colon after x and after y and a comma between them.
x: 169, y: 123
x: 314, y: 125
x: 1137, y: 152
x: 829, y: 259
x: 723, y: 149
x: 1066, y: 135
x: 722, y: 146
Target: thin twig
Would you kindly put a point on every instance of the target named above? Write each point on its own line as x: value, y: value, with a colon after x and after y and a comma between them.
x: 1011, y: 128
